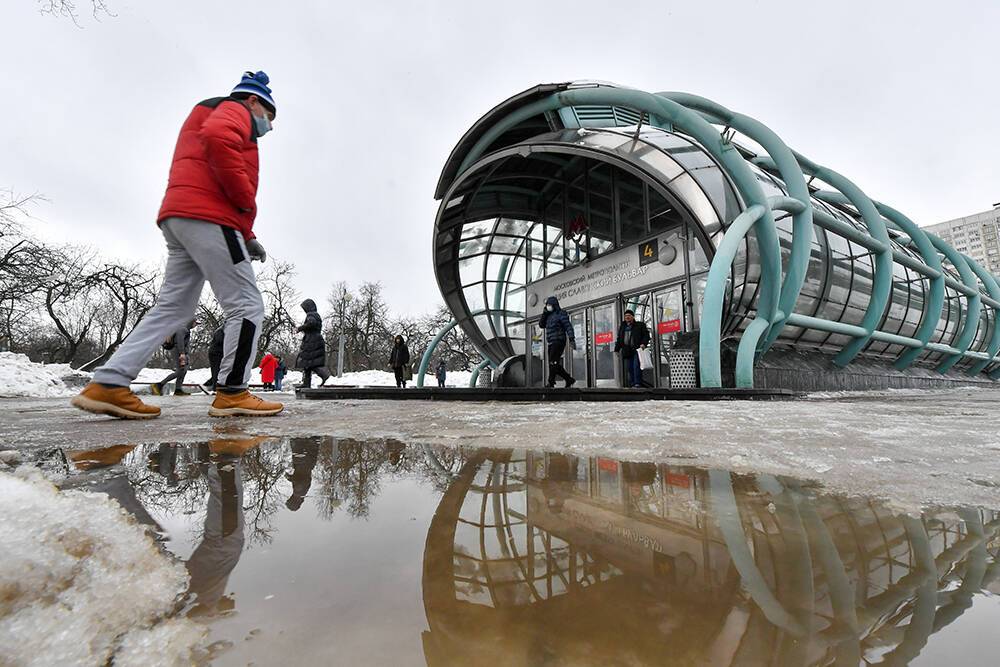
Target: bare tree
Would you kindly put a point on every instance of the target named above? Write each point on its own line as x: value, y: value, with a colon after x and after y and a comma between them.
x: 277, y: 330
x: 68, y: 9
x: 127, y: 295
x: 21, y: 265
x: 68, y: 297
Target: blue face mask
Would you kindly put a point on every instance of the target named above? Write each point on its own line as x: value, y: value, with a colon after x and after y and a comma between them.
x: 263, y: 124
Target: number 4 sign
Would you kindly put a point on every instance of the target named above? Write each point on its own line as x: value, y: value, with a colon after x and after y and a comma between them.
x: 649, y: 252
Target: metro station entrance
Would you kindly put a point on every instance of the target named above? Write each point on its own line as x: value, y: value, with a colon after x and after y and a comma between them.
x: 594, y: 363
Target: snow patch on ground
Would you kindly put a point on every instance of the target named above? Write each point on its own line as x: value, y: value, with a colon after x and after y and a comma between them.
x: 81, y: 583
x: 21, y: 377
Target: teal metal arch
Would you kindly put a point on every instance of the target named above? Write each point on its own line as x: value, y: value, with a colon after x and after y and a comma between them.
x: 975, y: 301
x: 787, y: 166
x: 934, y: 303
x: 993, y: 288
x: 425, y: 360
x: 779, y: 290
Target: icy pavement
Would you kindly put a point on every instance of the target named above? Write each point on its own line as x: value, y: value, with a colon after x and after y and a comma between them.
x: 913, y: 448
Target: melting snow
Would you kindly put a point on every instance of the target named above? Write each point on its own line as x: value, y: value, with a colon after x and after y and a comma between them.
x: 82, y: 584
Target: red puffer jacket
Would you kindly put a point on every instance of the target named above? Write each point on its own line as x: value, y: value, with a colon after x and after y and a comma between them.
x: 213, y: 176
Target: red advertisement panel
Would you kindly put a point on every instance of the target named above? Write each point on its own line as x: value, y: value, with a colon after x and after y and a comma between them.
x: 668, y: 326
x: 607, y: 465
x: 676, y: 479
x: 604, y: 337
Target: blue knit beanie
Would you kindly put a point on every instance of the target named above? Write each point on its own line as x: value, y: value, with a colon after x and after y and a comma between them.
x: 256, y: 84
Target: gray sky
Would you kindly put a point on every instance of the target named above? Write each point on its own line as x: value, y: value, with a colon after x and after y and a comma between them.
x: 898, y: 96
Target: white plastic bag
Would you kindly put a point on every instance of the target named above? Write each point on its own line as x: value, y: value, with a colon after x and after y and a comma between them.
x: 645, y: 358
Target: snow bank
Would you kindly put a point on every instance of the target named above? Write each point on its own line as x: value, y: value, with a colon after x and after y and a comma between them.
x: 358, y: 378
x: 81, y: 583
x: 19, y: 376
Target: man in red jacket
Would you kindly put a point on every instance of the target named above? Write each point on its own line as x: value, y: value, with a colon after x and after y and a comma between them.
x: 207, y: 221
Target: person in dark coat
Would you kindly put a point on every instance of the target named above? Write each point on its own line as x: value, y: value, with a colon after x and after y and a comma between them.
x: 399, y: 359
x: 305, y: 453
x: 216, y: 349
x: 442, y: 372
x: 279, y: 374
x: 312, y: 353
x: 632, y: 336
x: 180, y: 344
x: 558, y: 330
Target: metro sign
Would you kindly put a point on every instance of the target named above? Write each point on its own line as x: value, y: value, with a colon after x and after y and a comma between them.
x: 604, y: 337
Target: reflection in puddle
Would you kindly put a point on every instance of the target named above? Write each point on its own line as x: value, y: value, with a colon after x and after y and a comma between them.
x: 308, y: 550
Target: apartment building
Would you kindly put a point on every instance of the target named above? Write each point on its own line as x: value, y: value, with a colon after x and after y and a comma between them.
x: 974, y: 235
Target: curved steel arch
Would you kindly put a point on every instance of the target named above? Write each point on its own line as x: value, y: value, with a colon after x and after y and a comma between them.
x: 779, y: 290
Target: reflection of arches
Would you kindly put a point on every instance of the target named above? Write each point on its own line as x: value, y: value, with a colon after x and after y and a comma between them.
x: 838, y: 578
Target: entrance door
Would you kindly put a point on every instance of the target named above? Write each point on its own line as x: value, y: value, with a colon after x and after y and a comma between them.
x: 604, y: 327
x: 579, y: 358
x: 641, y: 305
x: 537, y: 357
x: 669, y: 324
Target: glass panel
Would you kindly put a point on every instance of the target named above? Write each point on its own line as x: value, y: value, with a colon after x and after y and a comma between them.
x: 698, y: 287
x: 602, y: 341
x: 697, y: 259
x: 631, y: 208
x: 478, y: 228
x: 508, y: 245
x: 512, y: 227
x: 602, y: 231
x: 536, y: 361
x: 669, y: 324
x: 691, y: 194
x: 474, y: 298
x: 473, y: 246
x: 662, y: 214
x: 470, y: 270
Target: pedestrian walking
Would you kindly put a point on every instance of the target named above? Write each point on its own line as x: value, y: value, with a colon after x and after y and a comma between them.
x: 279, y: 374
x: 207, y: 221
x: 215, y: 351
x: 399, y: 361
x: 268, y: 365
x: 442, y: 372
x: 632, y: 337
x: 312, y: 353
x: 179, y: 343
x: 558, y: 330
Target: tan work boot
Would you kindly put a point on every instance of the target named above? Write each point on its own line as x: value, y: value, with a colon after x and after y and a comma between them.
x: 114, y: 401
x: 243, y: 403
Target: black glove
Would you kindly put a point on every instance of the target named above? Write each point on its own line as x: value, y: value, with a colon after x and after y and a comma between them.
x: 256, y: 251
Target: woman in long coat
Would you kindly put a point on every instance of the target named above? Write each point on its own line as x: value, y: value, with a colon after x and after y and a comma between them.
x: 312, y: 353
x: 399, y: 360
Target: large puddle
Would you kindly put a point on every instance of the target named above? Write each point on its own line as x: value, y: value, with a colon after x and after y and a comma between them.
x: 321, y: 551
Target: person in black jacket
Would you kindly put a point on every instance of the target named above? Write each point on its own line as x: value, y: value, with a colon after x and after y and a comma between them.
x: 399, y: 359
x: 312, y: 353
x: 558, y: 329
x: 216, y: 349
x: 180, y: 344
x: 632, y: 336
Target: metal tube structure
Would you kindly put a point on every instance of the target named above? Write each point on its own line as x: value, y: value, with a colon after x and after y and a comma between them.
x: 780, y: 252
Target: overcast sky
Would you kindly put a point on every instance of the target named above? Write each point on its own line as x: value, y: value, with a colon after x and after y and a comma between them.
x: 899, y: 96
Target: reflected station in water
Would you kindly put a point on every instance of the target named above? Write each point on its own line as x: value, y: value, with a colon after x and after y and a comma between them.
x: 310, y: 549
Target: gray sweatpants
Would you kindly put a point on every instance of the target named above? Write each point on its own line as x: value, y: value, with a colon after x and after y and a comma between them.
x: 197, y: 251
